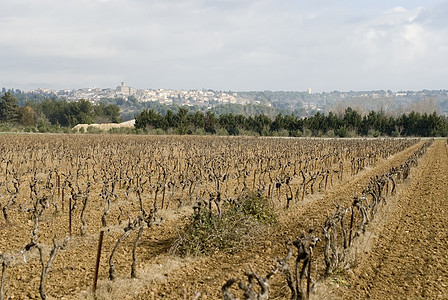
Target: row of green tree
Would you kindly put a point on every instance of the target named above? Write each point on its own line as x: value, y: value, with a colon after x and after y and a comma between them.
x: 350, y: 123
x: 62, y: 113
x: 55, y: 112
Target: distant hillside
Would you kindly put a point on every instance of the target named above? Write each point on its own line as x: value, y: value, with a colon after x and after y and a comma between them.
x: 393, y: 103
x: 252, y: 102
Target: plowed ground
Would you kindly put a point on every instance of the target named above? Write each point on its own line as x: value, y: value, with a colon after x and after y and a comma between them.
x: 409, y: 258
x: 404, y: 254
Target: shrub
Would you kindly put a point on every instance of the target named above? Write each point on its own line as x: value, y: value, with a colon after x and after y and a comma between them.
x: 295, y: 133
x: 342, y: 132
x: 281, y: 132
x: 94, y: 130
x: 307, y: 132
x: 29, y: 129
x: 256, y: 206
x: 221, y: 132
x: 395, y: 134
x: 330, y: 133
x: 248, y: 133
x: 4, y: 127
x: 241, y: 220
x: 199, y: 131
x: 376, y: 133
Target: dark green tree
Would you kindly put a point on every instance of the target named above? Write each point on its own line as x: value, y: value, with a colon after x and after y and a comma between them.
x: 210, y: 122
x: 278, y: 123
x: 9, y: 110
x: 182, y: 120
x: 352, y: 119
x: 332, y: 122
x: 262, y: 124
x: 197, y: 120
x: 170, y: 119
x: 112, y: 112
x: 85, y: 111
x: 228, y: 122
x: 148, y: 119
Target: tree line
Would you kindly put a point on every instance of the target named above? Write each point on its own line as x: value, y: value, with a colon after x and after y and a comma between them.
x: 53, y: 112
x: 349, y: 123
x: 56, y: 113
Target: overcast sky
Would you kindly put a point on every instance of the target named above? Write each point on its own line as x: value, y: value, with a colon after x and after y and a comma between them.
x: 238, y: 45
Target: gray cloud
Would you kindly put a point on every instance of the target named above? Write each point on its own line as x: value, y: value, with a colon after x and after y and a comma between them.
x: 224, y: 44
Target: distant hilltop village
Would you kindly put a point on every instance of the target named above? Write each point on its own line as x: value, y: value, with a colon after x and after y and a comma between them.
x: 388, y: 101
x: 165, y: 96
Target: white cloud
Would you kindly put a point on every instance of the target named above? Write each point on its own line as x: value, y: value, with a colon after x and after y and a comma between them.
x: 397, y: 48
x: 223, y: 44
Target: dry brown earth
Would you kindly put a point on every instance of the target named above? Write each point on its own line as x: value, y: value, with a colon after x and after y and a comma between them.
x: 404, y: 254
x: 409, y: 257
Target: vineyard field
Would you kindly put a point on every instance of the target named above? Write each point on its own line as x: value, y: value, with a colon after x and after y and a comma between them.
x: 369, y: 214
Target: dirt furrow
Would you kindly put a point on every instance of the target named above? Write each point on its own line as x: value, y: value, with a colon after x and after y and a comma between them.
x: 410, y: 257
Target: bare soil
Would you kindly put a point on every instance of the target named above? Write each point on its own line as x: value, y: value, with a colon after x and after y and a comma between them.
x: 404, y: 254
x: 407, y: 255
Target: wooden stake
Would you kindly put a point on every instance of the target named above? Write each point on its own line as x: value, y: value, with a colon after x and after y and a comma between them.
x: 70, y: 216
x: 351, y: 227
x: 59, y: 185
x: 98, y: 257
x: 308, y: 283
x: 2, y: 285
x: 62, y: 200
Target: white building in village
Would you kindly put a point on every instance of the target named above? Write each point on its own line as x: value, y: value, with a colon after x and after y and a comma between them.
x: 125, y: 90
